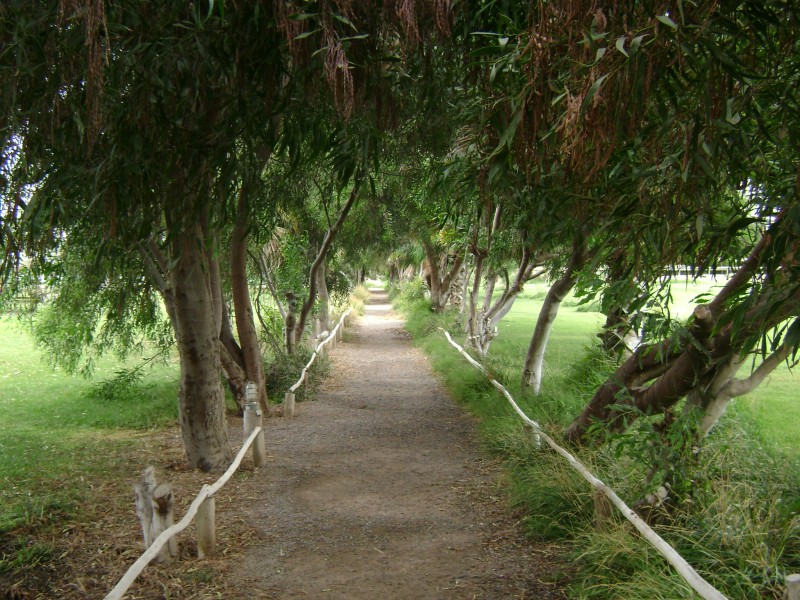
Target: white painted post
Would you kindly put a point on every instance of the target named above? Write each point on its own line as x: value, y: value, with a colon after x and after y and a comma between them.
x: 253, y: 419
x: 206, y: 528
x: 792, y: 587
x: 288, y: 404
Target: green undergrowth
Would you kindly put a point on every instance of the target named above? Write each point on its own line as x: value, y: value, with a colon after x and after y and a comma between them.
x: 283, y: 370
x: 739, y: 526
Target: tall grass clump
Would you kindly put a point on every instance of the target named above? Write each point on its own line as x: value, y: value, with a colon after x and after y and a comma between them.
x: 735, y: 518
x: 283, y: 370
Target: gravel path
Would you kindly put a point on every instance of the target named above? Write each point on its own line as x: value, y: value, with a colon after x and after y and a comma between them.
x: 378, y: 489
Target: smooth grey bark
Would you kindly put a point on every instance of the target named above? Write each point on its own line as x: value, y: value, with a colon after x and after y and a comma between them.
x: 202, y: 404
x: 534, y: 360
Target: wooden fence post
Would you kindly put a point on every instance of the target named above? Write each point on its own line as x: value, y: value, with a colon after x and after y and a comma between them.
x: 144, y: 510
x: 602, y: 509
x: 154, y: 504
x: 253, y: 419
x: 163, y: 503
x: 792, y: 587
x: 288, y: 404
x: 206, y: 528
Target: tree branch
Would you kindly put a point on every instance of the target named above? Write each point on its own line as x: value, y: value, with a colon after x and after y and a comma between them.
x: 322, y: 254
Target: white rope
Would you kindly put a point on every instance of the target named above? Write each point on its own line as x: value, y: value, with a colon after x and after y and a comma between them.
x: 294, y: 388
x: 698, y: 584
x: 205, y: 492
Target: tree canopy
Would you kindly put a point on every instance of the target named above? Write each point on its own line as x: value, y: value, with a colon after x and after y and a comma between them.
x: 151, y: 152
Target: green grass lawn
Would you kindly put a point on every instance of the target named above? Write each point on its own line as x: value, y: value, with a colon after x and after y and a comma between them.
x: 54, y: 432
x: 739, y: 524
x: 774, y: 407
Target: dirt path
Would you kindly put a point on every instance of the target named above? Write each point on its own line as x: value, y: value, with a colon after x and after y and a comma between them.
x: 379, y: 490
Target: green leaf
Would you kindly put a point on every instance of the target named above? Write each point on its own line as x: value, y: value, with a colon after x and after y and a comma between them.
x: 699, y: 224
x: 345, y: 20
x: 305, y: 34
x: 303, y: 16
x: 636, y: 42
x: 592, y: 92
x: 792, y: 338
x: 620, y: 45
x: 667, y: 21
x: 601, y: 52
x: 510, y: 131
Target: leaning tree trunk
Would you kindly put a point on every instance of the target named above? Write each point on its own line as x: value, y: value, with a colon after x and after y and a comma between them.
x: 323, y: 317
x: 243, y: 307
x: 534, y: 360
x: 202, y: 402
x: 296, y: 325
x: 677, y: 367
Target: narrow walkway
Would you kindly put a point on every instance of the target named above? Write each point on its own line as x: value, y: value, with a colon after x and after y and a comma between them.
x: 378, y: 489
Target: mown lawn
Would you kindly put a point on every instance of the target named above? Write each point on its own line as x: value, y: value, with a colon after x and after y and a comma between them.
x: 774, y: 407
x: 54, y: 432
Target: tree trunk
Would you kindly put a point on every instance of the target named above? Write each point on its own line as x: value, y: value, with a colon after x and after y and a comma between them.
x: 534, y: 361
x: 295, y: 332
x: 492, y: 314
x: 243, y: 307
x: 437, y: 285
x: 324, y: 301
x: 202, y: 403
x: 694, y: 364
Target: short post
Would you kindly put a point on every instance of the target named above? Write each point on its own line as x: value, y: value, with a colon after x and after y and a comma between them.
x: 537, y: 439
x: 602, y: 509
x: 288, y: 404
x: 792, y: 587
x: 162, y: 503
x: 206, y: 528
x: 253, y: 419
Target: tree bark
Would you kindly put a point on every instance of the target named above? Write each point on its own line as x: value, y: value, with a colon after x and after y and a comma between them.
x: 534, y: 360
x: 243, y: 307
x: 202, y: 403
x: 437, y: 285
x: 492, y: 314
x: 677, y: 373
x: 324, y: 300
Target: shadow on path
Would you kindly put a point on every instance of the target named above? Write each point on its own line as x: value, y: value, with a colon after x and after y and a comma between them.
x: 378, y: 489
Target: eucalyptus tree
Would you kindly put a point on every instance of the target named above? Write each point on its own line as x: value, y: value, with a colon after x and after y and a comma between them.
x: 121, y: 123
x: 682, y: 117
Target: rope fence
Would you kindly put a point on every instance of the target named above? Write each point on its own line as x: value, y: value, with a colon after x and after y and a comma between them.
x: 203, y: 506
x: 335, y: 335
x: 698, y: 584
x: 203, y: 503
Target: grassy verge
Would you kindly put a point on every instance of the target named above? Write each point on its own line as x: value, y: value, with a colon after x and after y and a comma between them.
x: 58, y: 433
x: 741, y: 530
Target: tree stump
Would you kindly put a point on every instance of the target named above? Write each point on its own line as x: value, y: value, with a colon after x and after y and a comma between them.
x: 144, y: 510
x: 154, y: 509
x: 162, y: 502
